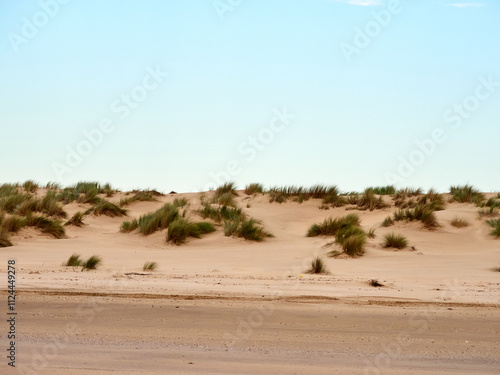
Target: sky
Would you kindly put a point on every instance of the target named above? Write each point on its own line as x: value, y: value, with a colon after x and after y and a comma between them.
x: 184, y: 95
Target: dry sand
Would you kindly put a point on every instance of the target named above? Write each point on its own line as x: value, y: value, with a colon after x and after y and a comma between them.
x: 221, y: 305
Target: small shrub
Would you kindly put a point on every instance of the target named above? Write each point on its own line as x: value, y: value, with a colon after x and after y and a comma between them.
x: 317, y: 266
x: 74, y: 261
x: 396, y: 241
x: 387, y: 222
x: 495, y: 224
x: 459, y: 223
x: 254, y: 189
x: 92, y: 263
x: 150, y: 266
x: 76, y: 220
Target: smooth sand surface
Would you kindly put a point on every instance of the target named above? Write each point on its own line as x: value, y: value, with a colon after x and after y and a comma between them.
x: 221, y: 305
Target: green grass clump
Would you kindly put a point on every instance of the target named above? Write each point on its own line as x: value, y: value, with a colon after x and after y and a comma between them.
x: 158, y: 220
x: 466, y: 194
x: 387, y: 222
x: 74, y: 261
x: 249, y: 229
x: 45, y: 225
x: 10, y: 203
x: 254, y: 189
x: 7, y: 190
x: 369, y: 201
x: 228, y: 187
x: 180, y: 229
x: 107, y: 208
x: 76, y: 220
x: 354, y: 245
x: 318, y: 266
x: 53, y: 185
x: 383, y: 190
x: 371, y: 233
x: 13, y: 224
x: 180, y: 202
x: 495, y: 224
x: 129, y: 226
x: 220, y: 213
x: 433, y: 199
x: 421, y: 212
x: 330, y: 226
x: 150, y: 266
x: 92, y: 263
x: 396, y: 241
x: 459, y: 223
x: 30, y: 186
x: 225, y: 199
x: 140, y: 196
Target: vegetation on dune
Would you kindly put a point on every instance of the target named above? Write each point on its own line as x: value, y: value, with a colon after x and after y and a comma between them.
x: 329, y: 194
x: 254, y: 189
x: 76, y: 220
x: 4, y: 239
x: 104, y: 207
x: 396, y: 241
x: 466, y: 194
x: 318, y: 266
x: 153, y: 221
x: 13, y: 223
x: 140, y: 196
x: 383, y: 190
x: 91, y: 263
x: 74, y: 261
x: 45, y: 225
x: 433, y: 199
x: 180, y: 229
x: 330, y: 226
x: 375, y: 283
x: 30, y: 186
x: 249, y: 229
x: 459, y: 222
x: 421, y: 212
x: 228, y: 187
x: 387, y: 222
x: 129, y: 226
x: 150, y: 266
x: 354, y: 244
x: 495, y: 224
x: 369, y: 201
x: 403, y: 197
x: 220, y: 213
x: 371, y: 233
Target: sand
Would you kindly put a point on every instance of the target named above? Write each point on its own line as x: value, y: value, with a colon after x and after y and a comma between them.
x: 220, y: 305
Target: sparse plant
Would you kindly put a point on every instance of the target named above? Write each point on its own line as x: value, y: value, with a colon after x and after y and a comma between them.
x: 330, y: 226
x: 13, y: 224
x: 150, y: 266
x: 30, y: 186
x: 107, y: 208
x: 375, y: 283
x: 371, y: 233
x: 466, y: 194
x: 318, y: 266
x: 254, y: 189
x: 495, y: 224
x: 45, y: 225
x: 129, y: 226
x: 91, y: 263
x: 353, y: 245
x: 158, y: 220
x: 421, y: 212
x: 76, y: 220
x: 459, y: 222
x: 74, y: 261
x: 369, y: 201
x: 228, y: 187
x: 383, y: 190
x: 396, y: 241
x: 140, y: 196
x: 180, y: 229
x: 387, y: 222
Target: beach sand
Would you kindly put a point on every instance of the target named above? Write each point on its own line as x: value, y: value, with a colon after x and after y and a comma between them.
x: 222, y: 305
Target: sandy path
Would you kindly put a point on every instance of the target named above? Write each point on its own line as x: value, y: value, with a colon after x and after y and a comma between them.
x: 105, y: 335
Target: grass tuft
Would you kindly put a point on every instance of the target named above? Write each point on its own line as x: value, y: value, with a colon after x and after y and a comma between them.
x: 330, y: 226
x: 318, y: 266
x: 74, y: 261
x: 495, y: 224
x: 254, y: 189
x: 30, y: 186
x: 421, y: 212
x: 150, y: 266
x: 158, y: 220
x: 76, y: 220
x: 180, y: 229
x: 387, y: 222
x: 129, y: 226
x: 375, y: 283
x: 92, y: 263
x: 47, y: 226
x: 466, y: 194
x: 396, y: 241
x: 140, y: 196
x: 459, y: 223
x: 107, y: 208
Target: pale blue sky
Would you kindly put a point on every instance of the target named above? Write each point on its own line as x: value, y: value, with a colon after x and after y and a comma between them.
x: 355, y: 118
